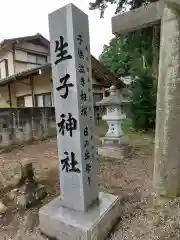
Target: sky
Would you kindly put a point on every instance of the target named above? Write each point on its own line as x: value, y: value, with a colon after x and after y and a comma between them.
x: 21, y: 18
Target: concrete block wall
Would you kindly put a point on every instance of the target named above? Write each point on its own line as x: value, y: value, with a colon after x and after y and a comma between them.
x: 19, y: 125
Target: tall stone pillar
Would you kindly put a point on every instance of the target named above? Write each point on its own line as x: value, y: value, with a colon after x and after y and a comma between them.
x: 81, y: 212
x: 167, y: 140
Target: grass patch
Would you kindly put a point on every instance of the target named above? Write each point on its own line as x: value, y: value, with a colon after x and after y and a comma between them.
x: 132, y: 137
x: 127, y: 126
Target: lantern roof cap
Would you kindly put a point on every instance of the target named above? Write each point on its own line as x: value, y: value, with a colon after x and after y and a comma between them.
x: 114, y: 98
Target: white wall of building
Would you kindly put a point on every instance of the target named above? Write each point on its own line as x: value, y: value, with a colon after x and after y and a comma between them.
x: 22, y: 58
x: 28, y: 101
x: 4, y: 97
x: 20, y: 67
x: 33, y: 47
x: 9, y: 56
x: 3, y: 69
x: 21, y: 88
x: 42, y: 83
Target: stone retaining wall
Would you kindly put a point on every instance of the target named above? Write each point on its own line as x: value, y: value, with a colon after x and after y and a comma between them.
x: 19, y: 125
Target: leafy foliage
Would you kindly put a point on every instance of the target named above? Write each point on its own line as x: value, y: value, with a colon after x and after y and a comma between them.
x: 121, y: 5
x: 152, y: 32
x: 143, y: 101
x: 116, y: 57
x: 131, y: 55
x: 125, y: 54
x: 134, y: 55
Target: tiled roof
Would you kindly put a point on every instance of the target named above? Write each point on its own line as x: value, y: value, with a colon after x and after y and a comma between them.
x: 37, y: 37
x: 23, y: 74
x: 101, y: 73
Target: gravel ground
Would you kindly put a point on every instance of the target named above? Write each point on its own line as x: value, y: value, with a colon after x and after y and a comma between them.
x: 130, y: 178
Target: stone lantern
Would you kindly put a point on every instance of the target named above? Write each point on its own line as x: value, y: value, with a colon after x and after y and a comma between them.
x: 111, y: 146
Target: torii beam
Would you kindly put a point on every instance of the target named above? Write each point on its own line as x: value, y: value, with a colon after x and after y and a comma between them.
x: 175, y: 4
x: 142, y: 17
x: 167, y: 143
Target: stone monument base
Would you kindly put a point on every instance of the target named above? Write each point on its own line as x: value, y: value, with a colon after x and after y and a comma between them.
x: 66, y: 224
x: 113, y: 148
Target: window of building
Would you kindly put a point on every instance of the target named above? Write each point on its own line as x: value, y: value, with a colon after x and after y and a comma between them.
x: 20, y: 101
x: 41, y: 59
x: 6, y: 67
x: 37, y: 58
x: 39, y: 101
x: 47, y: 100
x: 31, y: 58
x: 43, y: 100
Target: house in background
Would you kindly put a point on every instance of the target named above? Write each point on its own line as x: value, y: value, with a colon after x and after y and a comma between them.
x: 25, y: 74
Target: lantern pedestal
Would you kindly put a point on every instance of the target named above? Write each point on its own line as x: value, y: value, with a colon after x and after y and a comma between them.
x: 113, y: 148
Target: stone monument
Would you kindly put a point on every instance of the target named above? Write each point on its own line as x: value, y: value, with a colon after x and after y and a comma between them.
x: 111, y: 143
x: 81, y: 212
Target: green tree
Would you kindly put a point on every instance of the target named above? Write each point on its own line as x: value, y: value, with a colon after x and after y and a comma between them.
x: 116, y: 57
x: 135, y: 54
x: 153, y: 32
x: 124, y: 54
x: 132, y: 55
x: 143, y: 101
